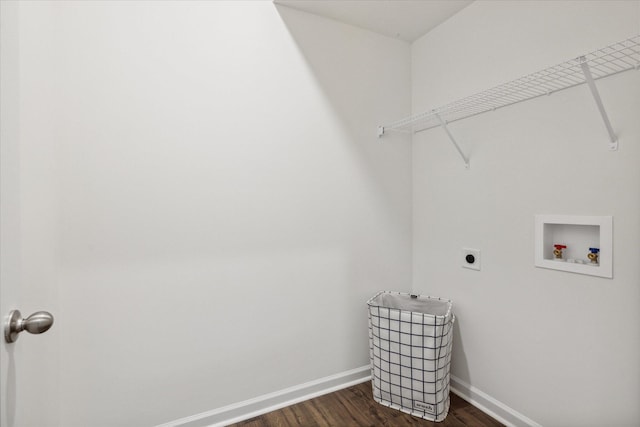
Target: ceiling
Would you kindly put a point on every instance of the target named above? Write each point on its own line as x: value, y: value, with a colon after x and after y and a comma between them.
x: 403, y: 19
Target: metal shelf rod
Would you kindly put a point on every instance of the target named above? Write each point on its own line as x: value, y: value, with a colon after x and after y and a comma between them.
x: 608, y: 61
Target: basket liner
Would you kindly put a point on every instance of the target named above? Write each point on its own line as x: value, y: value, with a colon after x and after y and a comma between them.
x: 410, y: 340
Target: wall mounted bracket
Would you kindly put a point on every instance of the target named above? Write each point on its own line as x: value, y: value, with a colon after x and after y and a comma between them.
x: 443, y: 124
x: 613, y: 145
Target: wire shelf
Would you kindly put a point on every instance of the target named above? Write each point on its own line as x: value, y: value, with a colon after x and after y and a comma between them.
x: 613, y: 59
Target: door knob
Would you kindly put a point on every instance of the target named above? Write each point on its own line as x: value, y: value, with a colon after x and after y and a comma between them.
x: 37, y: 323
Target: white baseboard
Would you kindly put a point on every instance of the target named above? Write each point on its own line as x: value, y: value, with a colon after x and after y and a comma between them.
x: 490, y: 406
x: 270, y: 402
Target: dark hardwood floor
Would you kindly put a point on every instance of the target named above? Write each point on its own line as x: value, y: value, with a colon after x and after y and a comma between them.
x: 354, y: 406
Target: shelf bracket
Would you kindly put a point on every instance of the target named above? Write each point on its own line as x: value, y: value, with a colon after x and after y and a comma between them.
x: 613, y: 145
x: 443, y: 124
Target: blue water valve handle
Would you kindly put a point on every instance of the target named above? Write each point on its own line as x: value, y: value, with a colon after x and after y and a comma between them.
x: 594, y: 250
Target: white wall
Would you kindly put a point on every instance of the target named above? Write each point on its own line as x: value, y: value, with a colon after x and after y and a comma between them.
x: 216, y: 207
x: 223, y: 208
x: 558, y: 347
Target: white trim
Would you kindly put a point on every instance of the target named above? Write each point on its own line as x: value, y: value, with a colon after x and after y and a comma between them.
x: 490, y: 406
x: 270, y: 402
x: 289, y: 396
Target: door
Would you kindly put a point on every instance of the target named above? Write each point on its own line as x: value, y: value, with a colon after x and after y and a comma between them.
x: 28, y: 368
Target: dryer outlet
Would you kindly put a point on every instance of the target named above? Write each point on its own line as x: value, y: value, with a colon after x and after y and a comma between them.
x: 471, y: 258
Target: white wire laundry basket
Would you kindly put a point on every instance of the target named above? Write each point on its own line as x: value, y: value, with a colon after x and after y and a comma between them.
x: 410, y: 338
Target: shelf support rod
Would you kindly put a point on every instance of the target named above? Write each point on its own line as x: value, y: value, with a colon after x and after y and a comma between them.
x: 613, y: 145
x: 443, y: 124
